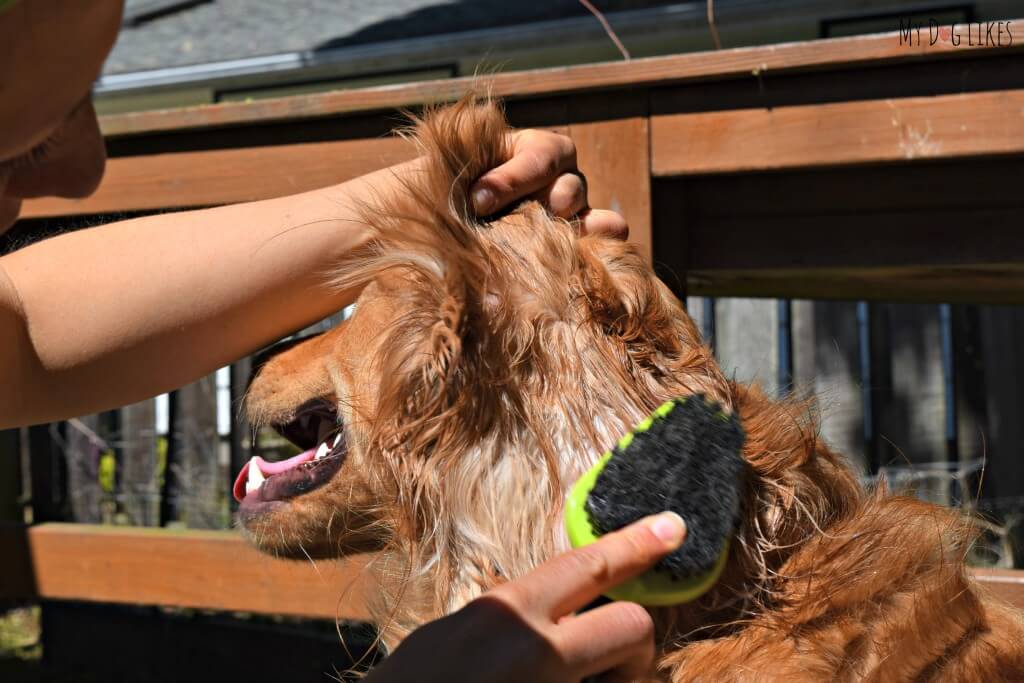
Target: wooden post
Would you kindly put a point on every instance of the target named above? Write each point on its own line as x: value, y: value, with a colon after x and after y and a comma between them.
x: 826, y: 365
x: 83, y: 451
x: 49, y: 475
x: 139, y: 464
x: 199, y: 474
x: 615, y: 156
x: 910, y: 422
x: 746, y: 342
x: 1003, y: 328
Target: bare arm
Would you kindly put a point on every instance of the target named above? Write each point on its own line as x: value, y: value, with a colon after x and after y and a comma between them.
x: 111, y: 315
x: 104, y: 317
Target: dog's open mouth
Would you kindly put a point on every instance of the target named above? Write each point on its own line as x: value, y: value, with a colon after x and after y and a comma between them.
x: 315, y: 428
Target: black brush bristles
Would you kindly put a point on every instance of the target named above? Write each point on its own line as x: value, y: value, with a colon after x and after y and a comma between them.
x: 688, y: 461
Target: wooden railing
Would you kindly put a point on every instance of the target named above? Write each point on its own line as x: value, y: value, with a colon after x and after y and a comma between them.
x: 765, y: 171
x: 214, y: 570
x: 651, y: 132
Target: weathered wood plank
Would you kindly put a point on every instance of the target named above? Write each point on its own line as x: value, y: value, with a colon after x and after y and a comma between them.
x: 1007, y: 584
x: 842, y: 83
x: 214, y: 177
x: 140, y: 489
x: 870, y: 131
x: 970, y: 381
x: 746, y: 340
x: 200, y: 490
x: 615, y: 155
x: 202, y: 569
x: 207, y: 178
x: 83, y: 450
x: 816, y: 54
x: 213, y: 570
x: 911, y: 411
x: 1002, y: 443
x: 826, y: 367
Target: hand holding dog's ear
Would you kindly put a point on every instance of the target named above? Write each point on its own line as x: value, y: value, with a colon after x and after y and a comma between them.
x: 526, y: 630
x: 543, y: 165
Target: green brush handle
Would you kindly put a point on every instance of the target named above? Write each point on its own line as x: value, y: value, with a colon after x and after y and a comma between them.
x: 653, y: 588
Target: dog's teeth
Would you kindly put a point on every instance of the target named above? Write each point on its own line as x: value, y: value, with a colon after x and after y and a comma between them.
x: 322, y: 451
x: 337, y: 439
x: 255, y: 479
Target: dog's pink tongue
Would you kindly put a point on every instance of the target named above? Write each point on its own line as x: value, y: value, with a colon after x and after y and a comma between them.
x: 268, y: 469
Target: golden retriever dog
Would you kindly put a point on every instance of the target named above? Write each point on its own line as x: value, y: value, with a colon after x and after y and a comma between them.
x: 490, y: 362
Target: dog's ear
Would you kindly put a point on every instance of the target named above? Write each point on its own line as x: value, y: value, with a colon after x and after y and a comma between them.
x: 458, y: 144
x: 430, y: 259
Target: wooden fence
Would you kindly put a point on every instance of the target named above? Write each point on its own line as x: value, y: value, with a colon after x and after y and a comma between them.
x: 852, y: 170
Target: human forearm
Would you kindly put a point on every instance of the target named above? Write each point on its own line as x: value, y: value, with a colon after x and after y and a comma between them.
x: 111, y: 315
x: 130, y: 309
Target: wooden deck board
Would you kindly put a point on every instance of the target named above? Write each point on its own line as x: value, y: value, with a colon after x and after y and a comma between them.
x: 214, y: 570
x: 212, y: 177
x: 873, y: 131
x: 883, y: 48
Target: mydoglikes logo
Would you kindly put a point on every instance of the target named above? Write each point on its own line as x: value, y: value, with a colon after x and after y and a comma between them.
x: 975, y: 34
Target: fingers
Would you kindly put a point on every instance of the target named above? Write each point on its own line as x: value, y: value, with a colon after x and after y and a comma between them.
x: 616, y: 640
x: 573, y: 579
x: 543, y: 165
x: 601, y: 222
x: 565, y: 197
x: 538, y: 158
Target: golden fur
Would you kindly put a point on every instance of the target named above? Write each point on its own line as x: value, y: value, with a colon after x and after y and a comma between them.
x: 489, y: 363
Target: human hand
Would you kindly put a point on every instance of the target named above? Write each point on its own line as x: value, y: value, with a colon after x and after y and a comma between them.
x: 543, y: 165
x: 526, y: 630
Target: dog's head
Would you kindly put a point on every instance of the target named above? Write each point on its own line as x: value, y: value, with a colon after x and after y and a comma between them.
x: 487, y: 364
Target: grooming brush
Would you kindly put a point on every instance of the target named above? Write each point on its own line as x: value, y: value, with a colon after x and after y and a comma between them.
x: 685, y: 457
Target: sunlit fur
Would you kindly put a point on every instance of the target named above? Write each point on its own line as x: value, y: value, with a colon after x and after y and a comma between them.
x: 490, y: 362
